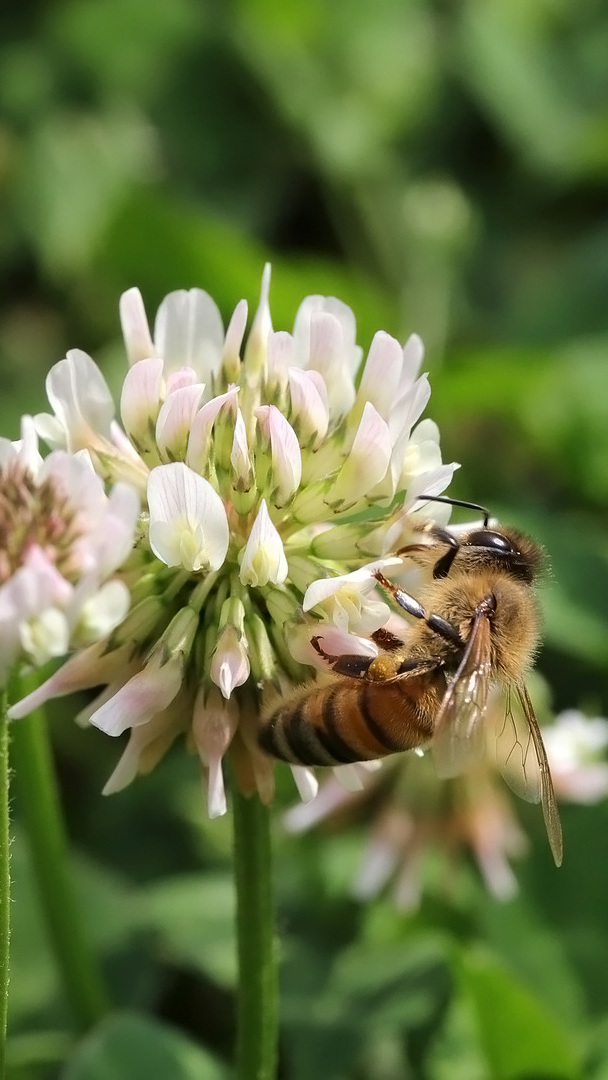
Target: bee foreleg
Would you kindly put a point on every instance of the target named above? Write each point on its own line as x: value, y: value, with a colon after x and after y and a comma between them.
x: 409, y: 603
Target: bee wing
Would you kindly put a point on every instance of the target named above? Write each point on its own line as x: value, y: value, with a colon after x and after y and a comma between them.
x: 522, y: 760
x: 459, y: 738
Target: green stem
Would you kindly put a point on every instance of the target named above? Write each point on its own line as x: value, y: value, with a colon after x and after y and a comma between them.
x: 40, y: 805
x: 5, y: 878
x: 258, y: 991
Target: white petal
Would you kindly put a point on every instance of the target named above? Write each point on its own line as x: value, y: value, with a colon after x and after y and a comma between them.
x: 140, y: 401
x: 382, y: 374
x: 175, y: 421
x: 134, y: 324
x: 413, y: 355
x: 360, y: 581
x: 306, y: 782
x: 367, y: 463
x: 188, y: 332
x: 80, y: 398
x: 188, y: 523
x: 309, y: 405
x: 285, y: 451
x: 103, y: 612
x: 202, y: 426
x: 239, y: 456
x: 45, y: 635
x: 280, y: 354
x: 263, y: 558
x: 257, y: 344
x: 330, y: 356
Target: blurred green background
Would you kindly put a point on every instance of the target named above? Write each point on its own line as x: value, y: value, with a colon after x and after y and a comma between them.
x: 442, y: 167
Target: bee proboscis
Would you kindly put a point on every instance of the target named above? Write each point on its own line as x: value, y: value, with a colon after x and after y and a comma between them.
x: 477, y: 625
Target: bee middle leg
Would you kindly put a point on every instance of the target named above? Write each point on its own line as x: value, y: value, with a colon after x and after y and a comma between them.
x: 352, y: 664
x: 409, y: 603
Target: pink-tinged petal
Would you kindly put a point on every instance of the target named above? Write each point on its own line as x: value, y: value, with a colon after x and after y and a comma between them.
x: 331, y: 798
x: 202, y: 427
x: 231, y: 359
x: 367, y: 462
x: 175, y: 421
x: 334, y: 641
x: 188, y: 332
x: 285, y: 452
x: 380, y: 862
x: 135, y: 330
x: 239, y: 456
x: 309, y: 405
x: 188, y: 523
x: 144, y: 695
x: 140, y: 401
x: 147, y: 745
x: 408, y: 890
x: 213, y: 727
x: 80, y: 398
x: 381, y: 378
x: 230, y: 662
x: 177, y: 380
x: 263, y: 558
x: 87, y: 668
x: 257, y: 344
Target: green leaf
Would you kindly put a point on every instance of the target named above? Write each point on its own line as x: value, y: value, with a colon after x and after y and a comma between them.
x: 131, y: 1047
x: 521, y: 1038
x: 194, y: 916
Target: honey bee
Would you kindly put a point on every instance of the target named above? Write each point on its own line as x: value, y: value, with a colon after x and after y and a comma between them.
x: 477, y: 624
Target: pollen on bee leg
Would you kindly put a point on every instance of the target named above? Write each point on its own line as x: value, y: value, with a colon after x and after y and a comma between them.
x: 382, y: 668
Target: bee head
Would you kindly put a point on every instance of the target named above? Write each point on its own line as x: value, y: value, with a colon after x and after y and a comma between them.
x: 506, y: 549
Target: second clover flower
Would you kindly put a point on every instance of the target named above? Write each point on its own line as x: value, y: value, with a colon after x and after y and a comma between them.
x: 263, y: 470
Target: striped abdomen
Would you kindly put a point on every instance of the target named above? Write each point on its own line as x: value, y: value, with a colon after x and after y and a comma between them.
x: 346, y: 721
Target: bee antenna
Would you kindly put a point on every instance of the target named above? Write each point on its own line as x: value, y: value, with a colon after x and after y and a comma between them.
x: 459, y: 502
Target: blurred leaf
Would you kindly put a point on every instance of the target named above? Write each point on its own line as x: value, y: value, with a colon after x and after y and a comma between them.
x: 130, y: 1047
x: 76, y: 171
x: 532, y: 951
x: 521, y: 1038
x: 194, y: 919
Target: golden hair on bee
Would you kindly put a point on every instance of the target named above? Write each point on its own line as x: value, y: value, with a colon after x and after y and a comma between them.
x: 475, y: 624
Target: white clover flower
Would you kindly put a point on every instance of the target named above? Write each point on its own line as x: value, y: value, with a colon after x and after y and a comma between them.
x: 576, y: 747
x: 61, y: 539
x: 269, y: 481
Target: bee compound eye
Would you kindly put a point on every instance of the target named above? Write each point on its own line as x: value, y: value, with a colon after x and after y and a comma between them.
x: 487, y: 538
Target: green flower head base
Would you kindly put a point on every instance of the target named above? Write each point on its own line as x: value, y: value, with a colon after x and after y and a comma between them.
x: 272, y: 486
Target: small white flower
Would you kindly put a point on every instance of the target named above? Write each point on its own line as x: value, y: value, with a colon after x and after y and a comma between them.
x: 188, y: 524
x: 230, y: 663
x: 263, y: 556
x: 575, y: 746
x: 345, y: 599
